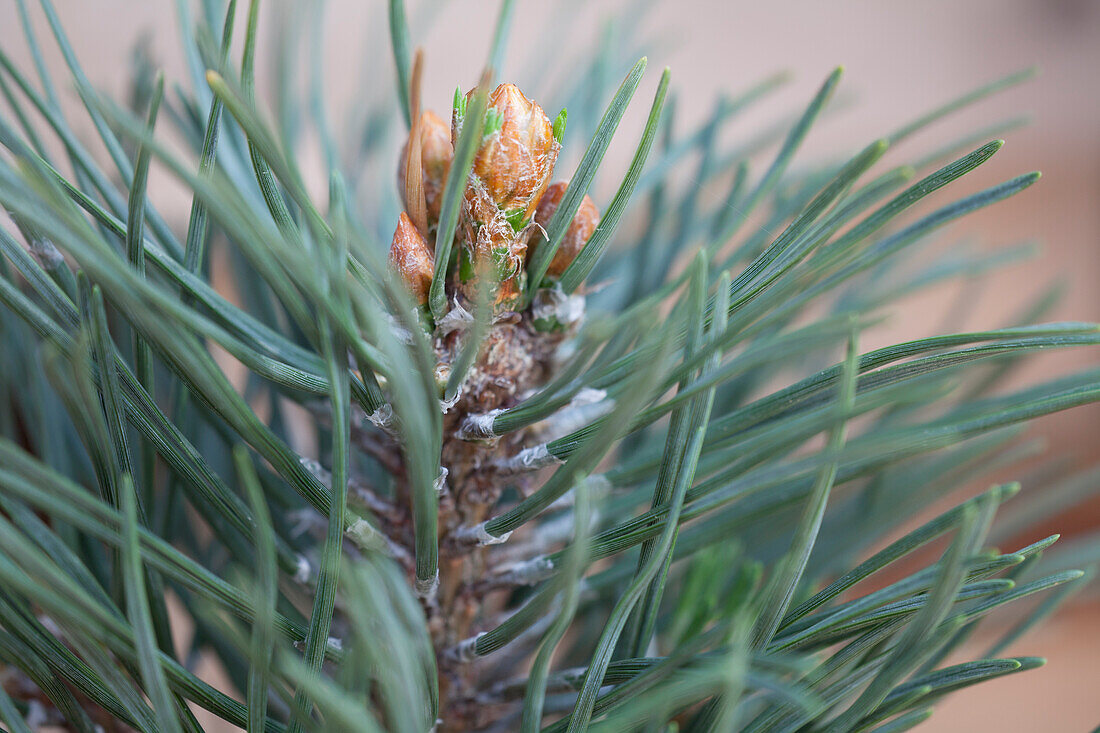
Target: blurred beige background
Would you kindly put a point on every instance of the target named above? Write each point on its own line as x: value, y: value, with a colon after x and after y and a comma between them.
x: 901, y: 59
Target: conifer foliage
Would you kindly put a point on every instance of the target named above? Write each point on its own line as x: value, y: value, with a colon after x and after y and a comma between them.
x: 509, y: 451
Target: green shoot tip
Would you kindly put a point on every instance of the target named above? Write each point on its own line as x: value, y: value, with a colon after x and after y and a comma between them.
x: 494, y: 120
x: 458, y: 106
x: 559, y: 125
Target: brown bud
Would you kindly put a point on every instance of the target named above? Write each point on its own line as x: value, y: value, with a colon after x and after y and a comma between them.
x: 517, y: 156
x: 436, y: 154
x: 411, y: 258
x: 576, y: 236
x: 489, y: 247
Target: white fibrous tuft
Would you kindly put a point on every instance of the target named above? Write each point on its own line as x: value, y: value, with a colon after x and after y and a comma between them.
x: 586, y: 406
x: 466, y: 650
x: 381, y: 418
x: 303, y: 570
x: 456, y: 319
x: 478, y: 426
x: 478, y: 535
x: 365, y: 535
x: 529, y: 459
x: 554, y: 304
x: 446, y: 405
x: 587, y: 396
x: 529, y: 572
x: 426, y: 588
x: 440, y: 484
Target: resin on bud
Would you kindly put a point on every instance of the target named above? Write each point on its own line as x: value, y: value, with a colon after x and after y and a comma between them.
x: 576, y: 236
x: 436, y: 154
x: 411, y: 258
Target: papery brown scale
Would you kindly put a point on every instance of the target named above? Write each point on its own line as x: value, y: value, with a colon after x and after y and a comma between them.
x: 436, y: 154
x: 411, y: 258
